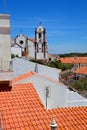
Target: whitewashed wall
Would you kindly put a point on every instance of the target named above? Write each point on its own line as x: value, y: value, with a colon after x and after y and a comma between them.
x: 31, y: 49
x: 16, y: 50
x: 21, y: 66
x: 75, y: 99
x: 59, y: 95
x: 40, y: 55
x: 57, y: 91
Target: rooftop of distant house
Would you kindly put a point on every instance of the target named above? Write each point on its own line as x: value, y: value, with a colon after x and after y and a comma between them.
x: 82, y: 70
x: 74, y: 60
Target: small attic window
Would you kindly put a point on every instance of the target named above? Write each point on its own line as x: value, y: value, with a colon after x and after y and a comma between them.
x: 21, y: 42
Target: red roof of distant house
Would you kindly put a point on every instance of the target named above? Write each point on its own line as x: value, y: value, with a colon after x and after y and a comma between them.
x: 82, y: 70
x: 74, y: 60
x: 22, y: 109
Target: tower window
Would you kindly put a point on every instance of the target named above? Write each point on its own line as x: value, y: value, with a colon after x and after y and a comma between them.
x: 39, y: 35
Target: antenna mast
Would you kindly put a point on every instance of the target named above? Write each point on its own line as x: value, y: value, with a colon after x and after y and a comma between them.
x: 4, y: 6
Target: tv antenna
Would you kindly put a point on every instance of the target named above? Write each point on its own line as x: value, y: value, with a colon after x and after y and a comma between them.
x: 4, y: 6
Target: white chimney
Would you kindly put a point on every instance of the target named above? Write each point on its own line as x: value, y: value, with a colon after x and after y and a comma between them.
x: 6, y: 73
x: 53, y: 125
x: 5, y: 48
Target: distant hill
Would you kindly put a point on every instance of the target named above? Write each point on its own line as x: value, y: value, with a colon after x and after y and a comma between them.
x: 71, y: 55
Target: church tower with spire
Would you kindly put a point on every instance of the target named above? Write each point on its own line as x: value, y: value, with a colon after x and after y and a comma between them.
x: 41, y: 51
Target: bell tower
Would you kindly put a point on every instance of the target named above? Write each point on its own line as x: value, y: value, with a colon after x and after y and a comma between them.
x: 40, y: 43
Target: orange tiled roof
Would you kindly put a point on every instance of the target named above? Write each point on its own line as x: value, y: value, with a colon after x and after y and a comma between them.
x: 22, y: 109
x: 23, y: 76
x: 29, y: 74
x: 82, y: 70
x: 74, y: 60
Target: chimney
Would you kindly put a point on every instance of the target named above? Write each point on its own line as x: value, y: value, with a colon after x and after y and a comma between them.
x: 36, y: 68
x: 6, y: 73
x: 53, y: 125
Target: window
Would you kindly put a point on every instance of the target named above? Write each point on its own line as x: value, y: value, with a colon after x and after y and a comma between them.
x: 21, y: 42
x: 39, y: 35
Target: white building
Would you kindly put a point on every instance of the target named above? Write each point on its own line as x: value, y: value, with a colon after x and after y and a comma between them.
x: 22, y: 66
x: 47, y: 80
x: 52, y: 93
x: 31, y: 48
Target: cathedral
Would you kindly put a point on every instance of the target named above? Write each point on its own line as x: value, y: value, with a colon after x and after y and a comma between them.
x: 35, y: 48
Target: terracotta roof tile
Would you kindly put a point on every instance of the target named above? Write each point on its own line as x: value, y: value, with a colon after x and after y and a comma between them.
x: 82, y: 70
x: 74, y: 60
x: 22, y: 109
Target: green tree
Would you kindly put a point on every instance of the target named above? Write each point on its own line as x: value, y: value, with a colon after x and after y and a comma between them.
x: 59, y: 65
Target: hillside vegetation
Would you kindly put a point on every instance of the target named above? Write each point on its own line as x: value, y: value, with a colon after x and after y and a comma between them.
x: 71, y: 55
x: 80, y: 84
x: 55, y: 64
x: 59, y: 65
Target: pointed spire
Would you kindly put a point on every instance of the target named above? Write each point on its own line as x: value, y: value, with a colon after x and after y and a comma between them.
x: 53, y: 124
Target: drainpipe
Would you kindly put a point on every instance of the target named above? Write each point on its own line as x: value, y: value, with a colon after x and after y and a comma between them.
x: 53, y: 125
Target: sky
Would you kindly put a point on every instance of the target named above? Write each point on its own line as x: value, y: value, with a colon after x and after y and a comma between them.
x: 65, y: 22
